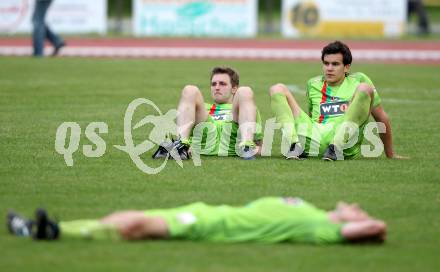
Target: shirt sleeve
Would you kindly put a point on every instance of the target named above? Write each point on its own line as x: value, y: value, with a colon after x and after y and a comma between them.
x: 329, y: 233
x: 324, y: 232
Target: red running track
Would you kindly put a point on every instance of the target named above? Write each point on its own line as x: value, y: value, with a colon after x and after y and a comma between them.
x: 290, y: 50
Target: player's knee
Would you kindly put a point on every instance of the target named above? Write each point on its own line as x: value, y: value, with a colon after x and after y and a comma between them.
x: 190, y: 91
x: 366, y: 88
x: 127, y: 233
x: 134, y: 229
x: 278, y: 88
x: 245, y: 93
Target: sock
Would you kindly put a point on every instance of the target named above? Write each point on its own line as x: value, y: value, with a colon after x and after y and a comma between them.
x: 358, y: 113
x: 89, y: 229
x: 185, y: 141
x: 284, y: 116
x: 249, y: 143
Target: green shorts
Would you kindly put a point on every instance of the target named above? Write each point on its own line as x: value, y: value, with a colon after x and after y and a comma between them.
x: 317, y: 136
x: 194, y: 221
x: 215, y: 137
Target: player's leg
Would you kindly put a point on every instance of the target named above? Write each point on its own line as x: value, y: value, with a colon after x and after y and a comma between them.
x: 357, y: 114
x: 135, y: 225
x: 127, y: 225
x: 191, y: 111
x: 286, y: 109
x: 244, y: 112
x: 361, y: 104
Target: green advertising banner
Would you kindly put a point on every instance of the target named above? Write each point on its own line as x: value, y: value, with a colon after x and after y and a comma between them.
x: 217, y: 18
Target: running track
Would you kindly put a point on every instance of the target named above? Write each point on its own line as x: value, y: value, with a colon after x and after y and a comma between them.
x: 427, y: 52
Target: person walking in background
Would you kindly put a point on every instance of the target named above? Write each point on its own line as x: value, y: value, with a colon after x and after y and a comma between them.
x: 41, y: 30
x: 418, y: 7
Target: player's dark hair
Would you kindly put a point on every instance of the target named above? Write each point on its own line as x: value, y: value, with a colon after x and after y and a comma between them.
x: 233, y: 75
x: 335, y: 48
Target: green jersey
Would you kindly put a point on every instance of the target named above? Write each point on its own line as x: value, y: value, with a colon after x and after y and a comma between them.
x: 221, y: 139
x: 327, y: 104
x: 269, y: 219
x: 220, y: 112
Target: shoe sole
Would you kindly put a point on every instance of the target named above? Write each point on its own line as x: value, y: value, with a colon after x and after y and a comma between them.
x: 10, y: 216
x: 295, y: 158
x: 327, y: 159
x: 159, y: 156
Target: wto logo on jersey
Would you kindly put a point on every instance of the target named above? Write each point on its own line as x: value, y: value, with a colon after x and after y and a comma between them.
x: 334, y: 108
x: 221, y: 117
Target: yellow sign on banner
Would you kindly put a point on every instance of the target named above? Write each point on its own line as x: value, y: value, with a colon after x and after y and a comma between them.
x: 432, y: 3
x: 354, y: 18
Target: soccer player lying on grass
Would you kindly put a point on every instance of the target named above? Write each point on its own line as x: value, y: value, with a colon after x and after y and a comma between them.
x: 232, y: 112
x: 269, y: 219
x: 335, y: 98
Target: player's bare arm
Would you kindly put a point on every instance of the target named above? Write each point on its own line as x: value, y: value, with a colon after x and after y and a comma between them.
x: 381, y: 116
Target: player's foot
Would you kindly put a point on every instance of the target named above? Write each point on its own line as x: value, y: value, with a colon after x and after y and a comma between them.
x: 163, y: 151
x: 332, y: 154
x: 181, y: 149
x: 18, y: 225
x: 247, y: 150
x: 42, y: 228
x: 296, y: 152
x: 57, y: 49
x: 46, y: 229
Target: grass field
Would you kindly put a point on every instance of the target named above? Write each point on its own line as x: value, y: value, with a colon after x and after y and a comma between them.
x: 36, y: 96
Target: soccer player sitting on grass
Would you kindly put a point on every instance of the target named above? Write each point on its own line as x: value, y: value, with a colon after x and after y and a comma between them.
x: 269, y: 220
x: 233, y: 114
x: 337, y: 99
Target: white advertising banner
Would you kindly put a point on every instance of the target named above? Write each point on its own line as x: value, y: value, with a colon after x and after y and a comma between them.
x: 64, y: 16
x: 329, y: 18
x: 221, y: 18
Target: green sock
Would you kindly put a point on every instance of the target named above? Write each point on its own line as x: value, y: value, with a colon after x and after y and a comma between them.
x: 185, y: 141
x: 358, y: 112
x: 283, y: 115
x: 247, y: 143
x: 88, y: 229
